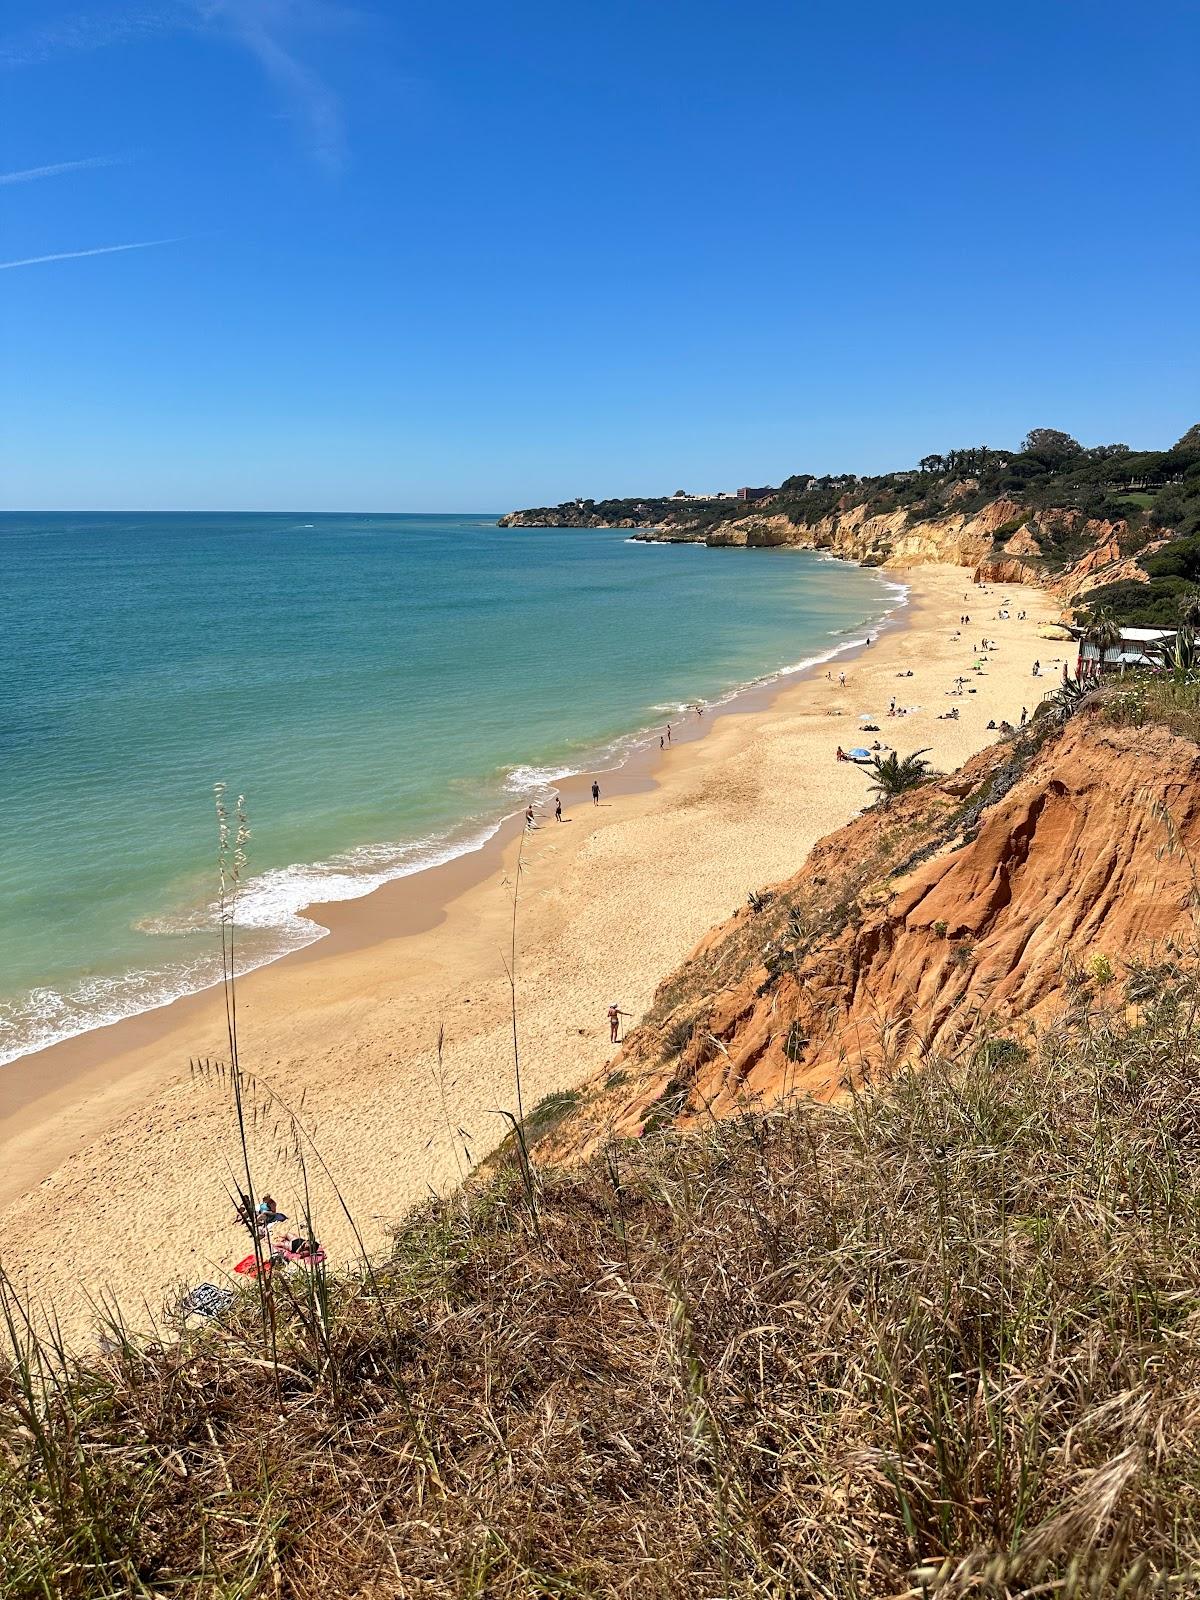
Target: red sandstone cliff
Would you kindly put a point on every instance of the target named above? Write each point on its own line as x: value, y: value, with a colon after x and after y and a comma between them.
x: 1008, y: 892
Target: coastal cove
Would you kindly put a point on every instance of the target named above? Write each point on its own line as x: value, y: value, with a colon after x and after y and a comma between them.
x: 384, y: 690
x: 113, y: 1130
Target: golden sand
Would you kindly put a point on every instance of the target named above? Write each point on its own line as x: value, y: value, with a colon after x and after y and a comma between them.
x: 118, y: 1161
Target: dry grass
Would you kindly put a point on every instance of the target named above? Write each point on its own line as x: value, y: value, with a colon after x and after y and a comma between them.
x: 1168, y: 701
x: 946, y: 1341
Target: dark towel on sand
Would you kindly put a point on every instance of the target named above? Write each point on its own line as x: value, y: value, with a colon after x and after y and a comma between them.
x: 206, y: 1300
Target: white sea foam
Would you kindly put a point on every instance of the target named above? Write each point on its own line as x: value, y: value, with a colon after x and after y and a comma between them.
x: 270, y: 924
x: 535, y: 780
x: 46, y: 1016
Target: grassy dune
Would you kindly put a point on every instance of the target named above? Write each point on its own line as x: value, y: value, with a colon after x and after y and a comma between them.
x: 945, y: 1340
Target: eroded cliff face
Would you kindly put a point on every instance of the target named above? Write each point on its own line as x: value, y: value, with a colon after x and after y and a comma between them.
x: 855, y: 535
x: 1003, y: 542
x: 1003, y: 896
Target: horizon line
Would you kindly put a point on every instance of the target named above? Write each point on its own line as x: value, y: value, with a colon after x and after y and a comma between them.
x: 227, y: 511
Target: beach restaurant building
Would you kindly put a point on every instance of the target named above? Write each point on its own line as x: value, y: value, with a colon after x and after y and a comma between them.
x: 1136, y: 649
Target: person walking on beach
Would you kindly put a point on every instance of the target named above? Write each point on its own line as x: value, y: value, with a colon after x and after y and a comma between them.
x: 842, y: 679
x: 668, y: 733
x: 595, y: 793
x: 558, y: 808
x: 614, y: 1022
x: 529, y: 816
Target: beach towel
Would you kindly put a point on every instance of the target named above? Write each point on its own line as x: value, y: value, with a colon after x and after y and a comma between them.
x: 206, y: 1300
x: 304, y: 1258
x: 249, y: 1267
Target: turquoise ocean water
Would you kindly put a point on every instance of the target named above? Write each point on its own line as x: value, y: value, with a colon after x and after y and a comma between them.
x: 383, y: 689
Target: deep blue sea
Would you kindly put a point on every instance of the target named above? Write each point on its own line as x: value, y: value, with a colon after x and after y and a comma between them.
x: 383, y: 689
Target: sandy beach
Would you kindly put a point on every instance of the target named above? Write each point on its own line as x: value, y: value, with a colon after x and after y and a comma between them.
x: 118, y: 1159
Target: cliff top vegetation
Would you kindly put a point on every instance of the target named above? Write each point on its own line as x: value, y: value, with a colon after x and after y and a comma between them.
x: 1150, y: 495
x: 942, y: 1340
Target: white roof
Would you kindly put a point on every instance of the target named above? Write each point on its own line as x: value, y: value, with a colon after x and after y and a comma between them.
x: 1140, y: 635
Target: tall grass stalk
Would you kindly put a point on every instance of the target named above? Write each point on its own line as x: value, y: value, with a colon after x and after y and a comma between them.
x: 517, y: 1122
x: 231, y: 863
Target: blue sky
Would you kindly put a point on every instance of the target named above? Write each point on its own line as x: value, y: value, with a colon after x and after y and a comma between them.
x: 463, y: 256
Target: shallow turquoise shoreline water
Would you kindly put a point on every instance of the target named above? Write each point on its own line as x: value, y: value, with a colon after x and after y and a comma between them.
x: 382, y: 689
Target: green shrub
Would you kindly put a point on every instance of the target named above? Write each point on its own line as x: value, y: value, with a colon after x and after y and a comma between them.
x: 1101, y: 969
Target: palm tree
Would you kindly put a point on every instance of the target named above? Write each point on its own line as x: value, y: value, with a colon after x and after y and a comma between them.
x: 894, y: 775
x: 1101, y: 631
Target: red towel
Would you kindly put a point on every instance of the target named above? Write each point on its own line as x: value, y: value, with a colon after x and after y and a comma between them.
x: 250, y: 1267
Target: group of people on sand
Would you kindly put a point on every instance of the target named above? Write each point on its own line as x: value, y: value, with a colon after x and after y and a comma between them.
x: 665, y: 738
x: 281, y: 1247
x: 531, y: 809
x: 985, y: 646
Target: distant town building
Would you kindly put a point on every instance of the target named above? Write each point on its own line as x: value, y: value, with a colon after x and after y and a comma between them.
x: 751, y: 495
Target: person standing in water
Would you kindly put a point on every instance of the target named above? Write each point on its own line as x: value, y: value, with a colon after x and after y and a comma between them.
x: 668, y: 733
x: 595, y: 793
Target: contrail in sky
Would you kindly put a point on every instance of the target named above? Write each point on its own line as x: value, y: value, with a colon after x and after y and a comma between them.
x: 74, y: 255
x: 32, y: 174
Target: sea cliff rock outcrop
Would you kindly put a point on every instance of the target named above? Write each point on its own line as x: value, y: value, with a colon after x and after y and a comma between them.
x: 1057, y: 548
x: 561, y: 517
x: 889, y: 540
x: 1003, y: 542
x: 999, y: 897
